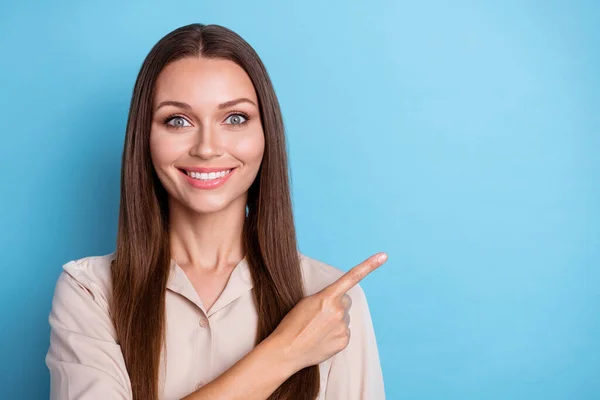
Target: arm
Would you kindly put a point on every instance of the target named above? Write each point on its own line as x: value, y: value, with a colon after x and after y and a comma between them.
x: 355, y: 372
x: 86, y: 362
x: 254, y: 377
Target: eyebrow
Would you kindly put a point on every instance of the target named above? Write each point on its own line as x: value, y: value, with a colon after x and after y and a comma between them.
x: 221, y: 106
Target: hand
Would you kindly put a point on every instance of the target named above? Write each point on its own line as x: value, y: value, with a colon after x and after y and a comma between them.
x: 317, y: 327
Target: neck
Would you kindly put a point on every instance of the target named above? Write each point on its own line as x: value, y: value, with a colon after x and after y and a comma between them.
x: 207, y: 241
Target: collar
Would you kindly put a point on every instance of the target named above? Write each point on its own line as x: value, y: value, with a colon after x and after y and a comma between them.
x: 239, y: 283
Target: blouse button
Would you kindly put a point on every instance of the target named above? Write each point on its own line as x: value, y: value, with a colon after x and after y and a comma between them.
x: 203, y: 323
x: 199, y: 385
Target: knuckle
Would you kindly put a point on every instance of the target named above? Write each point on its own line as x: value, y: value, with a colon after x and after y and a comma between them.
x: 342, y: 343
x: 345, y: 340
x: 355, y: 275
x: 325, y: 302
x: 327, y: 298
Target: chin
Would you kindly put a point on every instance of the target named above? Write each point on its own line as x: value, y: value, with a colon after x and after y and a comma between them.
x: 208, y: 205
x: 207, y: 208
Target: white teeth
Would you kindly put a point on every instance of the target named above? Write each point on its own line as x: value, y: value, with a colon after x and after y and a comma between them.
x: 208, y: 176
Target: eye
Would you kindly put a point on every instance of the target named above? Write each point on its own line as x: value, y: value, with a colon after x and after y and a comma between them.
x: 237, y: 119
x: 177, y: 122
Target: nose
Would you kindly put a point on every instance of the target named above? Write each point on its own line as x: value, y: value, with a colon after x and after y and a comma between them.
x: 207, y: 144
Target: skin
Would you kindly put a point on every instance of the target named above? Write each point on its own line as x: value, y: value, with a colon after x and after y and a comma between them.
x: 206, y: 225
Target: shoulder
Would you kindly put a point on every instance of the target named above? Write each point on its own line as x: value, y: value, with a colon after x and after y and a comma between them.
x: 89, y: 276
x: 318, y: 274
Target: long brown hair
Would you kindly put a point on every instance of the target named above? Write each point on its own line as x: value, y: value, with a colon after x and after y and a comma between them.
x: 142, y: 261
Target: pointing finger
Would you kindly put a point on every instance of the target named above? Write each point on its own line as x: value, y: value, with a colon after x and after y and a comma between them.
x: 355, y: 275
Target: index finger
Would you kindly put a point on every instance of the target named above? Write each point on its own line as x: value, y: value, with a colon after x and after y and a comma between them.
x: 355, y: 275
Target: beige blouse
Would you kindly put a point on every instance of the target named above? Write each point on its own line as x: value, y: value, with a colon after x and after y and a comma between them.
x: 86, y: 362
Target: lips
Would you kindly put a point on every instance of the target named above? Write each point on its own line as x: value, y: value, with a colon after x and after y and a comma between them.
x: 204, y: 169
x: 207, y: 184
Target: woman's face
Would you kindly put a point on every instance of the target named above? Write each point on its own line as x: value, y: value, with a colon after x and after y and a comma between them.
x: 206, y: 119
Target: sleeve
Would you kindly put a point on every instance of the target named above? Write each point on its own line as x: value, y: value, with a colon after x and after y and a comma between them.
x: 84, y: 359
x: 355, y: 372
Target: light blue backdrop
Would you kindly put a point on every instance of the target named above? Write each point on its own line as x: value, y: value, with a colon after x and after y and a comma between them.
x: 460, y: 137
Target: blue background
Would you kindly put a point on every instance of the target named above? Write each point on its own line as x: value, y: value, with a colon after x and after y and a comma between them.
x: 460, y: 137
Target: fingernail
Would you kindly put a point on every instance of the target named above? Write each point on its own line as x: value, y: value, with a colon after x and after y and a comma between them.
x: 382, y: 258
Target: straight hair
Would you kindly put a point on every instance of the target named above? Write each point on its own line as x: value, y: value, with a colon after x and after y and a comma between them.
x: 142, y: 262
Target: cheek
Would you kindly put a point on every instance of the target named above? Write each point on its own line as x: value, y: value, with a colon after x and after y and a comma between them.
x: 164, y: 149
x: 250, y: 148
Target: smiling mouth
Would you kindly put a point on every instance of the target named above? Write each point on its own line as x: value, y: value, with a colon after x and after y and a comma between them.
x: 207, y: 176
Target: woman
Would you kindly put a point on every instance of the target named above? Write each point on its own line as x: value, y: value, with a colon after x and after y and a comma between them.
x: 206, y: 295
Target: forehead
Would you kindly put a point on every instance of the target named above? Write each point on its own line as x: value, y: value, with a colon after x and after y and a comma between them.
x: 203, y: 82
